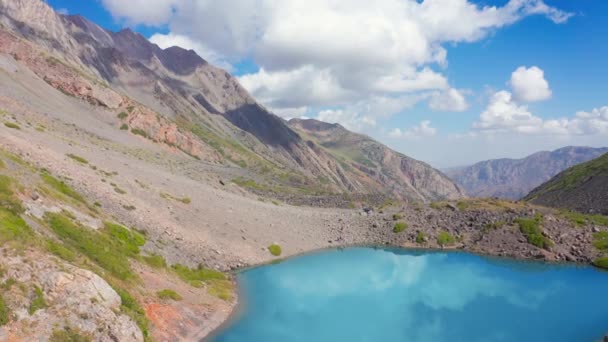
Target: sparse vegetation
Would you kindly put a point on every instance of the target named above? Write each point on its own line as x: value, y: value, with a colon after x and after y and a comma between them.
x: 5, y: 314
x: 119, y: 190
x: 68, y: 334
x: 61, y: 251
x: 8, y: 201
x: 397, y: 217
x: 168, y: 294
x: 601, y: 263
x: 445, y: 239
x: 61, y: 187
x: 131, y: 308
x: 78, y: 158
x: 155, y: 261
x: 130, y: 109
x: 532, y: 230
x: 399, y: 227
x: 122, y: 115
x: 420, y: 238
x: 185, y: 200
x: 579, y: 219
x: 38, y: 302
x: 12, y: 125
x: 140, y: 132
x: 493, y: 226
x: 217, y: 283
x: 600, y: 241
x: 124, y: 127
x: 275, y: 249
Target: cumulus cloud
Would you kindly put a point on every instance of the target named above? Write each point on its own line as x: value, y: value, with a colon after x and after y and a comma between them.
x: 504, y: 114
x: 423, y: 129
x: 332, y: 53
x: 450, y: 100
x: 529, y: 84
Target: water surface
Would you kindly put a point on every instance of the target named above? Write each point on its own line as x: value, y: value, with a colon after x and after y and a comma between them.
x: 365, y: 294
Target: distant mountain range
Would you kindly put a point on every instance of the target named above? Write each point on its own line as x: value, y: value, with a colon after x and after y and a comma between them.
x: 582, y: 188
x: 514, y: 178
x: 174, y: 97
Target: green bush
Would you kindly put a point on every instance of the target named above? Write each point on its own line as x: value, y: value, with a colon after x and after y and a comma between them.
x: 275, y: 249
x: 168, y: 294
x: 445, y: 239
x: 399, y: 227
x: 420, y: 237
x: 38, y: 302
x: 12, y: 125
x: 78, y: 158
x: 140, y: 132
x: 532, y: 230
x: 122, y: 115
x: 5, y: 314
x: 397, y: 217
x: 130, y: 239
x: 124, y: 127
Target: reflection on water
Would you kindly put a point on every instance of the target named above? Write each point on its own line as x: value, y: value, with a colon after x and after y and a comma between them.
x: 364, y: 294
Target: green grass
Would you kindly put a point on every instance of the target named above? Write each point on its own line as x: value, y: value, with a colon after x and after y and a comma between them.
x: 8, y: 201
x: 579, y: 219
x: 600, y: 241
x: 122, y: 115
x: 399, y: 227
x: 78, y: 158
x: 420, y: 237
x: 5, y: 314
x: 140, y: 132
x: 13, y: 229
x: 155, y: 261
x: 38, y: 302
x: 223, y: 289
x: 168, y: 294
x: 61, y: 187
x: 104, y: 248
x: 275, y: 249
x: 124, y: 127
x: 61, y: 251
x: 129, y: 239
x: 445, y: 239
x: 12, y: 125
x: 68, y: 334
x: 601, y: 263
x: 533, y: 231
x: 196, y: 277
x: 131, y: 308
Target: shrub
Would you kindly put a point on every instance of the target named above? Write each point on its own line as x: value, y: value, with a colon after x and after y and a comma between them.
x: 12, y: 125
x: 532, y: 230
x: 420, y: 238
x: 130, y: 240
x: 5, y: 314
x: 399, y: 227
x: 119, y: 190
x: 68, y: 334
x: 168, y: 294
x: 275, y: 249
x: 445, y: 239
x: 397, y: 217
x: 38, y: 303
x: 130, y: 109
x: 140, y: 132
x: 124, y: 127
x: 78, y: 158
x: 155, y: 261
x: 122, y: 115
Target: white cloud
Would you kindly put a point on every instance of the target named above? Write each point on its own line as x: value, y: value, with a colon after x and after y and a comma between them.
x: 529, y: 84
x: 504, y: 114
x: 330, y: 53
x: 168, y: 40
x: 450, y: 100
x: 63, y: 11
x: 423, y: 129
x: 147, y: 12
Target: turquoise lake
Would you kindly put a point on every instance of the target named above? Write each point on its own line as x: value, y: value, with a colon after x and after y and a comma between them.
x: 366, y: 294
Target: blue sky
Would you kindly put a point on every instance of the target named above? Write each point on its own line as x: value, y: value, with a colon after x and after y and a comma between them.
x: 362, y: 65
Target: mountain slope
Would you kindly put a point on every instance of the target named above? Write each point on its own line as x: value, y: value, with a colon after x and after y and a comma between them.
x: 174, y: 97
x: 369, y: 161
x: 581, y: 188
x: 514, y: 178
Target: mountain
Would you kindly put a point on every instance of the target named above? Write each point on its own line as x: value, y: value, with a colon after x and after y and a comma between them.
x: 368, y: 161
x: 514, y: 178
x: 582, y: 188
x: 174, y: 97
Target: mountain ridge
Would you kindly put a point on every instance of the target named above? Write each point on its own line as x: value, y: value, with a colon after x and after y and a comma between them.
x: 514, y: 178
